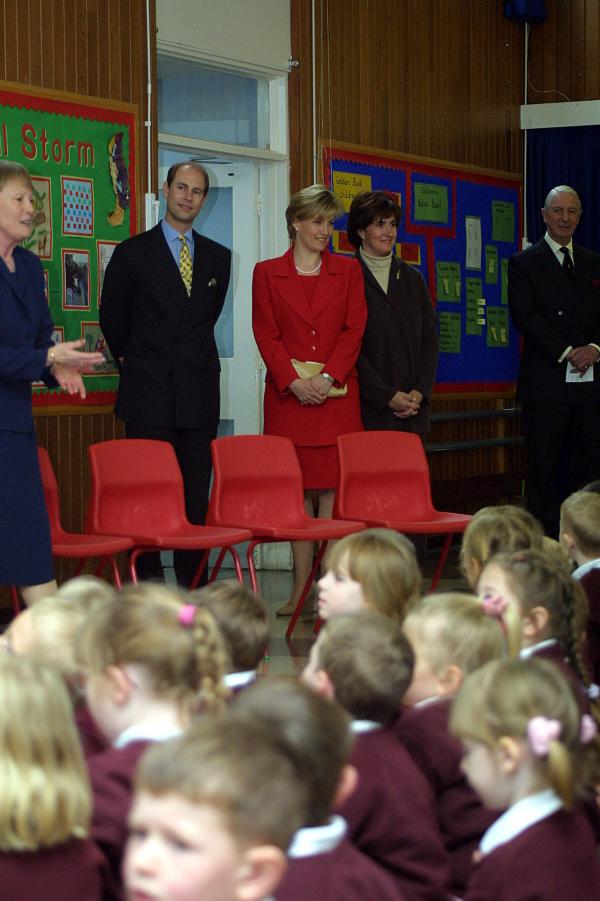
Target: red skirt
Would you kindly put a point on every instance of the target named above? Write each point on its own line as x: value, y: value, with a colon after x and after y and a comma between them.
x: 319, y: 466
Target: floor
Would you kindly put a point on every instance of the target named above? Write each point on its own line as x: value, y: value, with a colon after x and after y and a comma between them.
x: 290, y: 656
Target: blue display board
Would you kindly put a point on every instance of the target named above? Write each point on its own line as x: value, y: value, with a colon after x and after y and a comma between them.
x: 459, y: 227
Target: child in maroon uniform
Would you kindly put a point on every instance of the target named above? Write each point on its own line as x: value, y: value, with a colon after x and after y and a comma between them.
x: 375, y: 569
x: 213, y: 814
x: 543, y: 609
x: 243, y: 621
x: 151, y: 660
x: 364, y: 662
x: 322, y: 863
x: 529, y: 751
x: 46, y: 800
x: 580, y: 535
x: 47, y: 632
x: 451, y: 636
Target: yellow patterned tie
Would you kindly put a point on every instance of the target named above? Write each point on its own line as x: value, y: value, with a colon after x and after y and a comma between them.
x: 185, y: 264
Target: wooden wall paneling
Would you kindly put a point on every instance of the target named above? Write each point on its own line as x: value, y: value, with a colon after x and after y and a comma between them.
x: 563, y: 53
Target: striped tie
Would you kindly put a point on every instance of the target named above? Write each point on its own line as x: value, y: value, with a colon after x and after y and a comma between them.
x: 185, y: 264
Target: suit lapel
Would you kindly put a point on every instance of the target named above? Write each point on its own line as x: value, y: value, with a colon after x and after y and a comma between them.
x: 289, y: 288
x: 19, y: 281
x: 202, y: 269
x: 329, y: 284
x: 164, y: 266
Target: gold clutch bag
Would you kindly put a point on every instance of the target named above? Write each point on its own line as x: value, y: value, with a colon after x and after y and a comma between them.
x: 308, y: 368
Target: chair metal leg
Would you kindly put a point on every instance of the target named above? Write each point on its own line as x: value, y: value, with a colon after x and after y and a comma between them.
x: 218, y: 564
x: 305, y: 591
x: 134, y: 554
x: 116, y: 573
x: 237, y: 564
x: 200, y: 570
x: 441, y: 562
x: 251, y: 566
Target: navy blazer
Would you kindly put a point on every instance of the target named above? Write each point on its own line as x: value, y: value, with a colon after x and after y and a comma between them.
x: 164, y: 340
x: 25, y: 336
x: 552, y: 313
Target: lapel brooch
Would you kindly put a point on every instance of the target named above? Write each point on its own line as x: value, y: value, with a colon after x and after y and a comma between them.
x: 212, y: 283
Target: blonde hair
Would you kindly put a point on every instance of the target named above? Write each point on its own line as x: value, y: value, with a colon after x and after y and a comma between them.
x: 493, y: 530
x: 14, y: 172
x: 454, y: 629
x: 536, y: 580
x: 580, y: 517
x: 46, y: 797
x: 384, y: 563
x: 555, y: 551
x: 141, y: 625
x: 501, y: 699
x: 316, y: 200
x: 56, y: 620
x: 242, y: 618
x: 369, y: 661
x: 234, y: 765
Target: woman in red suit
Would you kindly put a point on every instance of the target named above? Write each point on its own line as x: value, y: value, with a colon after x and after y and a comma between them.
x: 309, y: 305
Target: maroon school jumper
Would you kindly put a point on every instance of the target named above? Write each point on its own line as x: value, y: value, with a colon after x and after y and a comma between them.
x: 92, y: 740
x: 73, y: 871
x: 391, y: 816
x: 556, y: 859
x: 111, y: 775
x: 462, y: 818
x: 590, y: 581
x: 335, y: 871
x: 554, y: 653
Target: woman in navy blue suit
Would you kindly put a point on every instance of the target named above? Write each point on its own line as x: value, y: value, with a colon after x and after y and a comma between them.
x: 26, y: 354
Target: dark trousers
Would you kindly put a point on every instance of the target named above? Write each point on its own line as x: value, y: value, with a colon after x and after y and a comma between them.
x: 192, y: 448
x: 563, y: 454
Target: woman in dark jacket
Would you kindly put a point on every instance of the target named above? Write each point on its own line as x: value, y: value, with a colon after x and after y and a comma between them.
x: 398, y: 358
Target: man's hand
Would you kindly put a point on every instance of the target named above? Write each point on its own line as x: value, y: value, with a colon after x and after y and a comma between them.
x: 581, y: 358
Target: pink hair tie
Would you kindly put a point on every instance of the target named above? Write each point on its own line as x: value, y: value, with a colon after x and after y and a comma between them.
x: 186, y: 615
x: 495, y: 606
x: 540, y: 732
x: 588, y: 729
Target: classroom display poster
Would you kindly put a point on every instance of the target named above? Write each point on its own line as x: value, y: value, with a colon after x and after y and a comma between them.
x: 458, y: 228
x: 81, y: 156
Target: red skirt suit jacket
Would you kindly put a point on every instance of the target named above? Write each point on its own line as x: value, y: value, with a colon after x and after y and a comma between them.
x: 329, y: 331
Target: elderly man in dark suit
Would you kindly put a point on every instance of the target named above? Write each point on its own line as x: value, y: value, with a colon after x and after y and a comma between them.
x: 554, y: 297
x: 163, y: 293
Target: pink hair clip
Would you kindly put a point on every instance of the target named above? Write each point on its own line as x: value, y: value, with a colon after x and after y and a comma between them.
x: 495, y: 605
x: 186, y: 615
x: 540, y: 732
x: 588, y: 729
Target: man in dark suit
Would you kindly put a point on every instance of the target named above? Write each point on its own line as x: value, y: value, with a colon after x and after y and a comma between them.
x: 554, y: 297
x: 160, y: 329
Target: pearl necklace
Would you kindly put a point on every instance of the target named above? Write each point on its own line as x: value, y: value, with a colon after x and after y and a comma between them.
x: 308, y: 271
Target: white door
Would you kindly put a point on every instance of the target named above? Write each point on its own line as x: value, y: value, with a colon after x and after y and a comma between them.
x: 230, y: 216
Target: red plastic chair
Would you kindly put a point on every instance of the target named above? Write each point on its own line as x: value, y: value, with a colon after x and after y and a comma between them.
x: 384, y: 479
x: 258, y: 485
x: 137, y: 491
x: 75, y: 545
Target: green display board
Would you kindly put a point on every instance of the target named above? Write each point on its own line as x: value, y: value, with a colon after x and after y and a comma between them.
x: 81, y: 155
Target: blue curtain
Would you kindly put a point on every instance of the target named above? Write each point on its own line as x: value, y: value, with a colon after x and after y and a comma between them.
x: 565, y: 156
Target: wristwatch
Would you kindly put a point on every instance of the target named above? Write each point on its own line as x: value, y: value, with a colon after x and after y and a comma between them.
x: 329, y: 378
